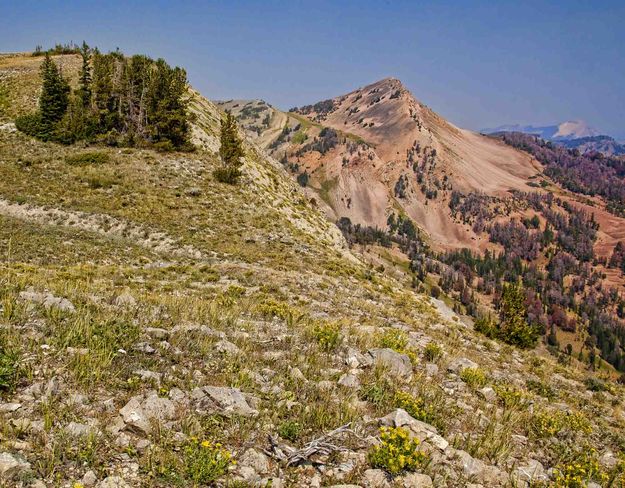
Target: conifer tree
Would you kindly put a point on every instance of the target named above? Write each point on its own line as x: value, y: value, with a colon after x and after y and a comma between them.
x: 54, y: 95
x: 230, y: 151
x: 514, y: 327
x: 85, y: 75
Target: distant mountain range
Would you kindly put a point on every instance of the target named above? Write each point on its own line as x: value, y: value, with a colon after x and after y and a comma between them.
x: 574, y: 134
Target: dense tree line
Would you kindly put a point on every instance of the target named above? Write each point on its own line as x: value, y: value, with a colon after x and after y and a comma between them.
x: 590, y: 173
x: 119, y: 100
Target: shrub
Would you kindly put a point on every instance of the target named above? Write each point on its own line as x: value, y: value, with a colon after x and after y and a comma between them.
x: 397, y: 340
x: 595, y: 384
x: 327, y: 335
x: 474, y: 377
x: 205, y: 461
x: 227, y: 175
x: 435, y: 291
x: 397, y: 452
x: 510, y: 397
x: 30, y: 124
x: 299, y: 137
x: 579, y: 470
x: 302, y: 179
x: 420, y: 409
x: 8, y: 370
x: 548, y: 424
x: 163, y: 146
x: 289, y: 430
x: 86, y: 158
x: 432, y: 352
x: 541, y: 388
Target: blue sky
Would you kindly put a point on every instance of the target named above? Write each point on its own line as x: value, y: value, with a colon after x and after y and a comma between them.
x: 478, y: 63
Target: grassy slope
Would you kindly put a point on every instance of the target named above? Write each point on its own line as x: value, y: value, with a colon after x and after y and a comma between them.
x: 256, y: 263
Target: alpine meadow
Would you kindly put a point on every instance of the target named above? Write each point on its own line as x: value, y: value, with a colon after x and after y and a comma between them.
x: 201, y: 289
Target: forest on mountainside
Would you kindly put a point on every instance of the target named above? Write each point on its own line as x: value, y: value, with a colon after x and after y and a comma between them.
x: 589, y: 174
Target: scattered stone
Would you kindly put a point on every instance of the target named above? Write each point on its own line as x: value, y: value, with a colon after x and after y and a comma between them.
x: 349, y: 381
x: 489, y: 394
x: 415, y: 480
x: 256, y: 460
x: 431, y: 369
x: 375, y: 478
x: 457, y: 365
x: 148, y: 375
x: 134, y: 417
x: 78, y: 430
x: 10, y: 407
x: 89, y: 479
x: 533, y: 473
x: 125, y: 299
x: 157, y: 332
x: 12, y: 466
x: 355, y: 359
x: 113, y: 482
x: 396, y: 363
x: 227, y: 347
x: 144, y: 347
x: 297, y: 375
x: 224, y: 400
x: 48, y: 300
x: 418, y: 429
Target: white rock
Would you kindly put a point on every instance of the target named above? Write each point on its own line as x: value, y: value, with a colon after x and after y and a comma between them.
x: 416, y: 480
x: 375, y: 478
x: 89, y: 479
x: 223, y: 400
x: 134, y: 416
x: 349, y: 381
x: 227, y: 347
x: 12, y: 466
x: 113, y: 482
x: 256, y: 460
x: 397, y: 363
x: 457, y: 365
x: 488, y: 393
x: 125, y: 299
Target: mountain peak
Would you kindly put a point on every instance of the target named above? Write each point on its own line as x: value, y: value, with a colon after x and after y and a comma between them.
x: 574, y: 129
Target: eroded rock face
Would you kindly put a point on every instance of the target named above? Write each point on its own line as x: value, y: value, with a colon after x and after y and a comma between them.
x: 223, y: 400
x: 397, y: 363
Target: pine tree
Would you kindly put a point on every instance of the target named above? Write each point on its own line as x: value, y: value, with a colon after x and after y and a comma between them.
x: 230, y: 151
x: 54, y: 96
x: 513, y: 326
x: 85, y: 76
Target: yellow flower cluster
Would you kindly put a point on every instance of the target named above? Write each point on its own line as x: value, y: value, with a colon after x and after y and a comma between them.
x: 415, y: 406
x: 397, y: 340
x: 327, y: 335
x: 206, y: 461
x: 548, y: 424
x: 511, y: 397
x: 474, y: 377
x: 577, y: 473
x: 397, y: 452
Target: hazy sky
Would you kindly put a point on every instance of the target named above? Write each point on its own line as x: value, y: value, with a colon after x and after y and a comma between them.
x: 478, y: 63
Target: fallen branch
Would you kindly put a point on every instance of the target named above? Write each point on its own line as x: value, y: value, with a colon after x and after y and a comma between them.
x: 317, y: 447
